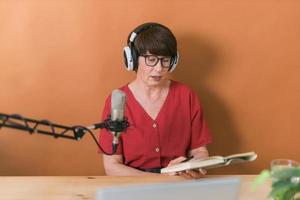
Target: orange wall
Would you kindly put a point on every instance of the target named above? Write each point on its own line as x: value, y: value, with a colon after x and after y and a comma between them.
x: 60, y: 59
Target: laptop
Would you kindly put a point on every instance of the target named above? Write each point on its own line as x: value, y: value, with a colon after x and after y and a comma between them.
x: 206, y: 189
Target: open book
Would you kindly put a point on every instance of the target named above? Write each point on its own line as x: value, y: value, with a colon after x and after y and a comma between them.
x: 211, y: 162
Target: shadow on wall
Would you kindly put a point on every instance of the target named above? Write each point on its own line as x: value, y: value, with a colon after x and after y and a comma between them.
x: 199, y: 59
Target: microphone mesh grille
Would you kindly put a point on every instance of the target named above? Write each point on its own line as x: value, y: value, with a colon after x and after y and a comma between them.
x: 118, y: 99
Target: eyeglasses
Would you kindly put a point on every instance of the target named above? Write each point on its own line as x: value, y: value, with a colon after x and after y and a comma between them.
x: 152, y: 60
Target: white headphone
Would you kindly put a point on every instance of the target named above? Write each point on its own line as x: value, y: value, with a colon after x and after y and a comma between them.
x: 131, y: 54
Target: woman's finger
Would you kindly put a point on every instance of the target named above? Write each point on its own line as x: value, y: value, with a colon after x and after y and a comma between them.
x: 177, y: 160
x: 194, y: 174
x: 186, y: 175
x: 202, y: 171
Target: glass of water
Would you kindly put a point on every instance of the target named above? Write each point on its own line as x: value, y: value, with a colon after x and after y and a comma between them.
x: 281, y: 164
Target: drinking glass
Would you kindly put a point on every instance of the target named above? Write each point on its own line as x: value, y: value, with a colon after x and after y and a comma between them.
x: 281, y: 164
x: 282, y: 175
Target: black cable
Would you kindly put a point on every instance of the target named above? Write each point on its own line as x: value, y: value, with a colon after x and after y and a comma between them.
x: 80, y: 131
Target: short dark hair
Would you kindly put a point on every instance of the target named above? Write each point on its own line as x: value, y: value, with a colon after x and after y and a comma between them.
x: 155, y: 38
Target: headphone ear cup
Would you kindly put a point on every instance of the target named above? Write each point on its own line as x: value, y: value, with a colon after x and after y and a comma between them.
x: 135, y: 58
x: 128, y: 59
x: 176, y: 59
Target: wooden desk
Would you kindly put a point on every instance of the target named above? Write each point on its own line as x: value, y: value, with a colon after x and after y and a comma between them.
x: 84, y: 187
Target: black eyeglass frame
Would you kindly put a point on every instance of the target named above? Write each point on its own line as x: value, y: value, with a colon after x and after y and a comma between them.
x: 159, y: 59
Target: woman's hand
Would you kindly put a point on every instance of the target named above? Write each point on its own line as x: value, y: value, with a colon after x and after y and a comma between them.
x: 188, y: 174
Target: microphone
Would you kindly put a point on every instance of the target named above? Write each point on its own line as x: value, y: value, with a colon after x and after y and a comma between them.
x: 116, y: 124
x: 118, y: 99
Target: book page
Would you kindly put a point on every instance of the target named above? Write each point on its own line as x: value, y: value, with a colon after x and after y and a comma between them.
x: 239, y: 158
x: 245, y: 156
x: 194, y: 164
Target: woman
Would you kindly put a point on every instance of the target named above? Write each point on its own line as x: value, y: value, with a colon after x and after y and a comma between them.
x: 165, y: 116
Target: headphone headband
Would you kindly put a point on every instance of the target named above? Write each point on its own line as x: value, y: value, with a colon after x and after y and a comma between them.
x: 140, y: 29
x: 132, y: 36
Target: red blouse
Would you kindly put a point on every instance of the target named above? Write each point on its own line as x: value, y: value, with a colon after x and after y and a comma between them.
x: 153, y: 143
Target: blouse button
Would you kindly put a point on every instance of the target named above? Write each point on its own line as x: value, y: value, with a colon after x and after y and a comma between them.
x: 157, y: 149
x: 154, y: 125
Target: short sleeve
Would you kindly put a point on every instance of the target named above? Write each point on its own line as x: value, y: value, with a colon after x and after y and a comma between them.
x: 105, y: 137
x: 201, y: 134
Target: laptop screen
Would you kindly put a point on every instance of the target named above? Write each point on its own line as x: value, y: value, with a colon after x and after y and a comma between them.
x: 207, y: 189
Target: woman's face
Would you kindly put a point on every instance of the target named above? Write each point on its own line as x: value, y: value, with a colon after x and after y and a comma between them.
x: 150, y: 73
